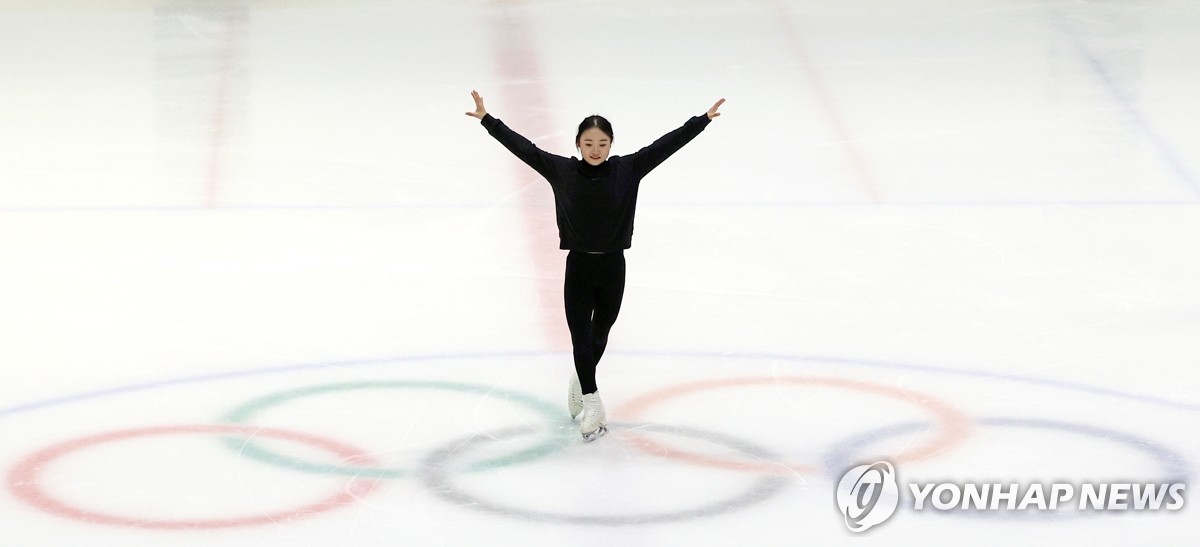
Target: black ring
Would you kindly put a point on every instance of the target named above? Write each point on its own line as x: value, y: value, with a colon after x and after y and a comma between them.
x: 435, y: 477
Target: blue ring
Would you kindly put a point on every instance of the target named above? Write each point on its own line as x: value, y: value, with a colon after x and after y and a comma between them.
x: 841, y: 456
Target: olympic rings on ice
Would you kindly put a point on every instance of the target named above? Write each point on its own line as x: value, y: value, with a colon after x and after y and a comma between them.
x: 245, y: 412
x: 439, y: 470
x: 953, y: 424
x: 24, y: 480
x: 763, y: 488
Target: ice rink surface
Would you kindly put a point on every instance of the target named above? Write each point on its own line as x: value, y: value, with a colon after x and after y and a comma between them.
x: 264, y: 283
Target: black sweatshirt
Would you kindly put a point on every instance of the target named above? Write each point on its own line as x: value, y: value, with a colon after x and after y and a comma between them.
x: 595, y: 204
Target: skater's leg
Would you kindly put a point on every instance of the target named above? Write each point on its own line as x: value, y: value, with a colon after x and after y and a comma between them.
x: 608, y: 296
x: 579, y: 302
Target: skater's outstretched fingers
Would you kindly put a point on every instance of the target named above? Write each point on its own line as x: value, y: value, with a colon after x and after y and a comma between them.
x: 712, y: 112
x: 480, y: 111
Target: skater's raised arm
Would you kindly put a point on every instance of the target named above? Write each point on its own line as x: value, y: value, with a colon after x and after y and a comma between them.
x: 648, y: 158
x: 541, y: 161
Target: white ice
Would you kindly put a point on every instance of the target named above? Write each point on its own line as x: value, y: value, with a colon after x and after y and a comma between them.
x: 963, y: 236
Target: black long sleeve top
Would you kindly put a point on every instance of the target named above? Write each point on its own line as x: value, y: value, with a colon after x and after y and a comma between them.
x: 595, y: 205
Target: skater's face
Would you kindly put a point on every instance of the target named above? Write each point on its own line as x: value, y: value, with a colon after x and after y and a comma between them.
x: 594, y: 145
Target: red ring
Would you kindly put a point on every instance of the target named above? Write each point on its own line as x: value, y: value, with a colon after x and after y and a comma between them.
x: 954, y: 424
x: 23, y: 479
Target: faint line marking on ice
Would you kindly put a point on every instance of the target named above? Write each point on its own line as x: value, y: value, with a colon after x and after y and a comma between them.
x: 518, y: 62
x: 865, y: 178
x: 233, y: 29
x: 1109, y: 83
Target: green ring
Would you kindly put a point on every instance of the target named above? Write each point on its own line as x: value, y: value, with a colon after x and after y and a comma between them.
x: 244, y: 412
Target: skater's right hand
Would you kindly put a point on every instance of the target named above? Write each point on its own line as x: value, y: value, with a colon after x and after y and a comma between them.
x: 480, y: 111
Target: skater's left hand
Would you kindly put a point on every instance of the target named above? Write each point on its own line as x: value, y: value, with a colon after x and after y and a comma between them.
x: 480, y: 111
x: 712, y: 112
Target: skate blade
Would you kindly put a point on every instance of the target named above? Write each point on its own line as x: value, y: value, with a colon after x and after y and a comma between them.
x: 589, y: 437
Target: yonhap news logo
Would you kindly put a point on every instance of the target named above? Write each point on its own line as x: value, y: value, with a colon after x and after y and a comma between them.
x: 868, y: 495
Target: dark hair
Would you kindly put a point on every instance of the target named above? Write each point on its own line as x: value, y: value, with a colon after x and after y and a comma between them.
x: 597, y: 121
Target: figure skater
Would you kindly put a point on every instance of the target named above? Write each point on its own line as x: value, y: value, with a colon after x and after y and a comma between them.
x: 594, y: 200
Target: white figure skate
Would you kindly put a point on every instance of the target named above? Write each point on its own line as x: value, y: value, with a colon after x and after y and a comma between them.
x: 593, y: 424
x: 574, y: 396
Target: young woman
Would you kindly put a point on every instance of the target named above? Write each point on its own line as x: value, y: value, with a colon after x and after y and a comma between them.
x: 594, y: 198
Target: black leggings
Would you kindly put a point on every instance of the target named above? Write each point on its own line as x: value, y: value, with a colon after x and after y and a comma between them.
x: 592, y: 293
